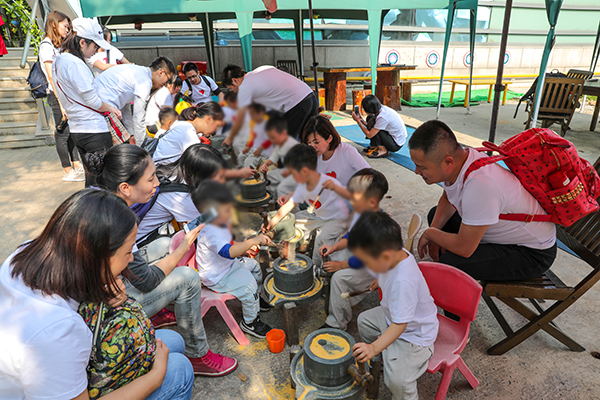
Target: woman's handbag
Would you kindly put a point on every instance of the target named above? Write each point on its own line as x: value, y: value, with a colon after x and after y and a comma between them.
x: 117, y: 129
x: 123, y: 347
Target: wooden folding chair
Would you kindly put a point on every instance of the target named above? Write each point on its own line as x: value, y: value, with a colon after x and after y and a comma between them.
x: 583, y: 238
x: 580, y: 74
x: 291, y: 66
x: 559, y: 100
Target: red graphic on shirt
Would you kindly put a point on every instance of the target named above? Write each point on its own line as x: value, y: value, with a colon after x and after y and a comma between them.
x: 332, y: 174
x: 232, y: 242
x: 201, y: 92
x: 317, y: 204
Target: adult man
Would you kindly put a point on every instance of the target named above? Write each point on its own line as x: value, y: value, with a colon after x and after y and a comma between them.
x: 465, y: 230
x: 274, y: 89
x: 121, y: 85
x: 202, y: 86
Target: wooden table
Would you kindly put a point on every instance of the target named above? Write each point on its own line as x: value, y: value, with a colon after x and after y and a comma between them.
x: 592, y: 88
x: 490, y: 82
x: 335, y: 82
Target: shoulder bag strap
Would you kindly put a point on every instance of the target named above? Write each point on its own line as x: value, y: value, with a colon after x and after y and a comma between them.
x: 95, y: 346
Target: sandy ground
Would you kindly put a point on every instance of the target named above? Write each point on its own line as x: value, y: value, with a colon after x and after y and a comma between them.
x: 540, y: 368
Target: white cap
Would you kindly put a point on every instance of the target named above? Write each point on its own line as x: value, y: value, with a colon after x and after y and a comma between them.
x: 90, y: 29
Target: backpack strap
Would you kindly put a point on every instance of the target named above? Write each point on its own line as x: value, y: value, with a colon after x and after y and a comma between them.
x: 207, y: 83
x: 481, y: 162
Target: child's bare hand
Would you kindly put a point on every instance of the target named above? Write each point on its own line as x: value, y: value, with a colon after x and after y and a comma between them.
x: 264, y: 168
x: 246, y: 149
x: 333, y: 266
x: 258, y: 151
x: 283, y: 199
x: 329, y: 185
x: 374, y: 285
x: 262, y: 240
x: 326, y: 250
x: 363, y: 352
x: 355, y: 116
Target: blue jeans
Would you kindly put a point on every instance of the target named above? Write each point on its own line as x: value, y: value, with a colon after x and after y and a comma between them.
x: 179, y: 380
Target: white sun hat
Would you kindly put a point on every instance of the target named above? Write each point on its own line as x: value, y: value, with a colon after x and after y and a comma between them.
x: 90, y: 29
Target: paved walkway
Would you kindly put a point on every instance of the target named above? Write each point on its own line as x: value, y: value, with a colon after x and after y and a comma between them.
x: 540, y: 368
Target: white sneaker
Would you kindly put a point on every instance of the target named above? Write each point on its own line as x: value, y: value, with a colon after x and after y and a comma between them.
x: 73, y: 176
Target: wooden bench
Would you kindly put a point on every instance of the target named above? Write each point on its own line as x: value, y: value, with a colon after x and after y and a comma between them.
x: 488, y: 82
x: 583, y: 238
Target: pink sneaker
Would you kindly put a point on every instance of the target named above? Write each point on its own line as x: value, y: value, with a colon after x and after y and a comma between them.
x: 163, y: 318
x: 213, y: 364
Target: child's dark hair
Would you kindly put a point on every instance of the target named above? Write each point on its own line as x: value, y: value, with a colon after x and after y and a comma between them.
x: 374, y: 233
x: 209, y: 194
x: 259, y: 108
x: 208, y: 109
x: 230, y: 72
x: 230, y: 96
x: 167, y: 113
x: 370, y: 182
x: 276, y: 122
x: 300, y: 156
x: 176, y: 81
x: 323, y: 127
x: 371, y: 104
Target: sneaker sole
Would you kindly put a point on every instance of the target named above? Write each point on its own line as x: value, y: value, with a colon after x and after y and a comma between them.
x: 165, y: 324
x: 218, y: 374
x: 249, y: 332
x: 73, y: 180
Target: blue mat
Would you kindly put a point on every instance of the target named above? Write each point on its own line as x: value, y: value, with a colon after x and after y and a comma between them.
x: 402, y: 157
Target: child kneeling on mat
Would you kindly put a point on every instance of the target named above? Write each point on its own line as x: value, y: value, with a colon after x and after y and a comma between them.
x: 405, y: 326
x: 221, y: 262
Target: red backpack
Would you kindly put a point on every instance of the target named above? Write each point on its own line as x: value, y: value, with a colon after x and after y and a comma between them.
x: 548, y: 166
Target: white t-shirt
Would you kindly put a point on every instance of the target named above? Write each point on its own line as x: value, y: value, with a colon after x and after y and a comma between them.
x: 344, y: 163
x: 45, y: 345
x: 258, y: 137
x: 272, y: 88
x: 168, y: 206
x: 406, y: 300
x: 115, y: 58
x: 181, y: 136
x: 161, y: 98
x: 47, y: 53
x: 228, y: 118
x: 75, y: 83
x: 279, y: 152
x: 390, y: 121
x: 212, y: 266
x: 201, y: 93
x: 329, y: 205
x: 491, y: 191
x: 120, y: 84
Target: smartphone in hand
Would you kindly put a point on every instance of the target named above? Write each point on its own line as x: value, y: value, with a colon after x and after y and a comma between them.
x: 357, y: 110
x: 204, y: 218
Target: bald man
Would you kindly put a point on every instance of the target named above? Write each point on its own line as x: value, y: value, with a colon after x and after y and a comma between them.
x: 464, y: 229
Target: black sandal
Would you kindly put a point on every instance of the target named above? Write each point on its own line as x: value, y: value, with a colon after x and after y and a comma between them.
x: 369, y: 149
x: 377, y: 154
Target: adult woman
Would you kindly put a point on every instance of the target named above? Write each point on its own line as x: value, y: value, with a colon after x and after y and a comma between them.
x: 77, y: 258
x: 163, y: 97
x: 129, y: 172
x: 58, y: 26
x: 204, y: 119
x: 336, y: 159
x: 384, y: 127
x: 77, y: 90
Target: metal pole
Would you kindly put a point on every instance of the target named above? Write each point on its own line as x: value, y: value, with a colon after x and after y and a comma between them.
x: 312, y: 43
x: 28, y: 37
x: 498, y: 87
x: 210, y: 48
x: 596, y: 52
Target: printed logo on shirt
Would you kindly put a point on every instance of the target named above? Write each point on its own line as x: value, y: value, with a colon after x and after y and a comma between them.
x: 317, y: 204
x: 332, y: 174
x: 201, y: 92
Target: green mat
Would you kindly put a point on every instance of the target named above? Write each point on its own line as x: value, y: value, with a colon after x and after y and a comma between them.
x: 431, y: 99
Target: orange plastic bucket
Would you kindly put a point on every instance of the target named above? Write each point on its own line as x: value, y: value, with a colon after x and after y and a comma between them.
x: 276, y: 340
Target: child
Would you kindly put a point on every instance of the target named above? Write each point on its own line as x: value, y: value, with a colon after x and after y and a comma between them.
x: 282, y: 183
x: 166, y: 116
x: 330, y: 210
x: 258, y: 148
x: 230, y: 111
x: 383, y: 127
x: 367, y: 187
x: 405, y: 326
x: 221, y: 262
x: 104, y: 59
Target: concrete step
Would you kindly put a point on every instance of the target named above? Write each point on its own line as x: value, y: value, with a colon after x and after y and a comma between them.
x: 18, y: 92
x: 14, y: 71
x: 9, y: 103
x: 22, y: 141
x: 12, y: 61
x: 18, y: 128
x: 17, y: 52
x: 13, y: 81
x: 18, y: 116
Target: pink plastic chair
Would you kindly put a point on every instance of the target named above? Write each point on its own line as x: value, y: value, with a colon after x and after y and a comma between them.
x: 456, y: 292
x: 208, y: 297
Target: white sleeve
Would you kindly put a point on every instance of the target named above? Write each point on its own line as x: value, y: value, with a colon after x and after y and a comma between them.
x: 116, y: 54
x: 355, y: 160
x: 403, y: 296
x: 139, y: 114
x: 482, y: 201
x: 55, y: 361
x: 46, y: 52
x: 244, y: 97
x: 184, y: 87
x: 275, y: 155
x: 381, y: 122
x: 180, y: 205
x: 215, y: 241
x: 299, y: 195
x: 187, y: 141
x: 213, y: 85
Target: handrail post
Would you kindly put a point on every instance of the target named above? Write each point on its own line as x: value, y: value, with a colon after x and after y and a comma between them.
x: 34, y: 9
